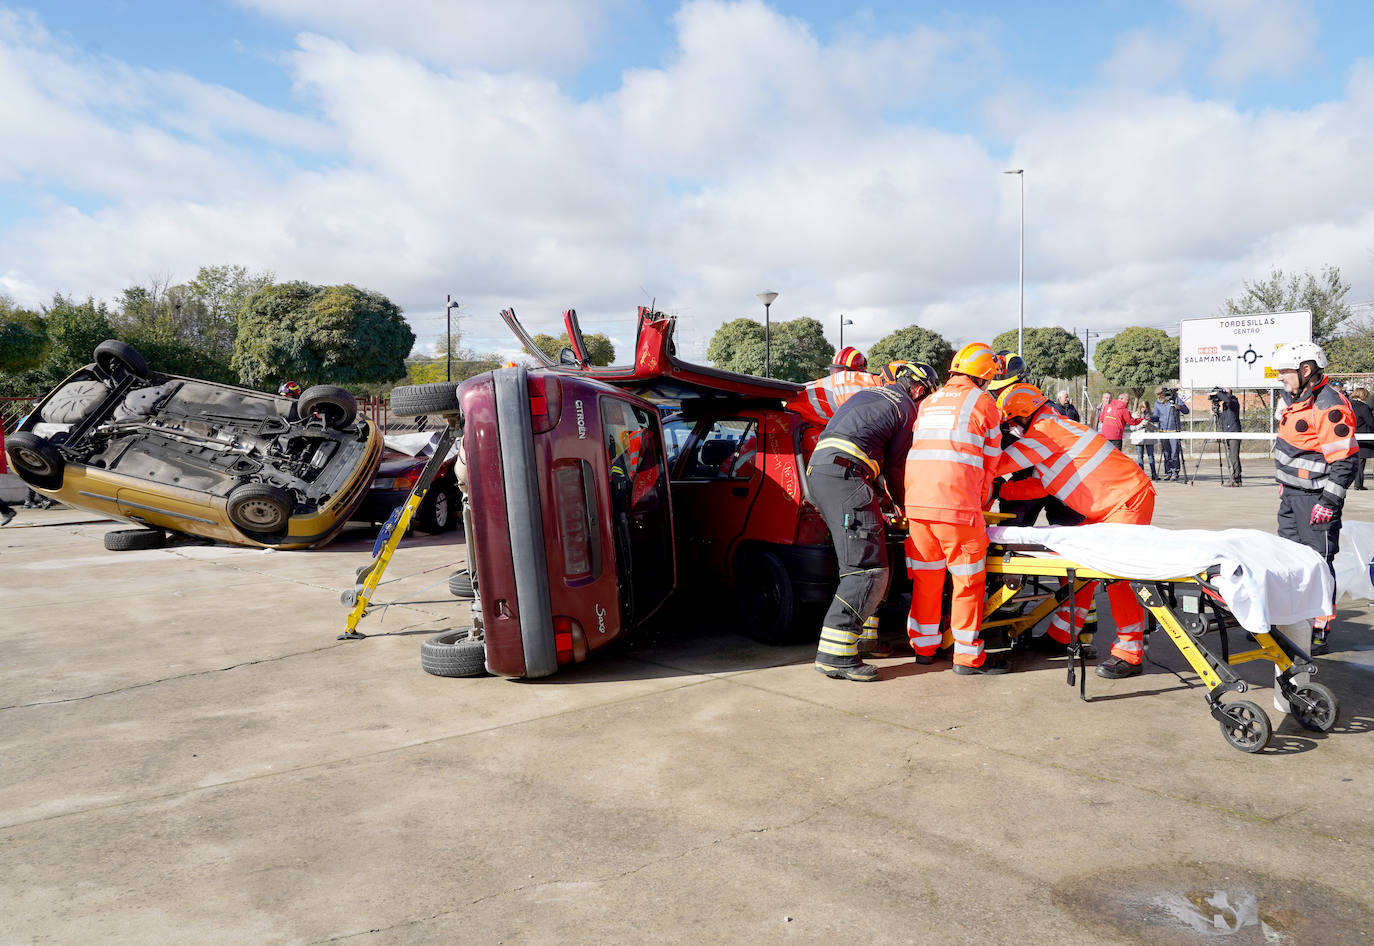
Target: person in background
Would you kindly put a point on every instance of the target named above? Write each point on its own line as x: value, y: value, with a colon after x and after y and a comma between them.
x: 1227, y: 409
x: 1106, y: 402
x: 1364, y: 424
x: 1144, y: 448
x: 1168, y: 414
x: 1114, y: 419
x: 1064, y: 407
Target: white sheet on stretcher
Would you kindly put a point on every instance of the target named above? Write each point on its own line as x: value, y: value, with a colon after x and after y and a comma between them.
x: 1264, y: 579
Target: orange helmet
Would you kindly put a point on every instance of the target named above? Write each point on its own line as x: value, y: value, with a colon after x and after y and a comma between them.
x: 1021, y: 400
x: 977, y: 360
x: 850, y: 358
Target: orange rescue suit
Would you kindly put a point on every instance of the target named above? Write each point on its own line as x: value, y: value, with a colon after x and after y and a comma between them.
x: 819, y: 400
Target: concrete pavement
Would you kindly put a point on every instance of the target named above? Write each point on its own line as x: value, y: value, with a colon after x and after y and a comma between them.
x: 190, y: 756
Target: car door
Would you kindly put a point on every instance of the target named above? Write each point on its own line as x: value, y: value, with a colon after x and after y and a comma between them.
x: 716, y: 479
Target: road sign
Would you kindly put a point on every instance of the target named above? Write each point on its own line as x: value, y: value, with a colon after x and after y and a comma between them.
x: 1236, y: 351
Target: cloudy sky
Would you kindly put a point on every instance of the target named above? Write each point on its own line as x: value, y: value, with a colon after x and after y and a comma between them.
x: 595, y: 154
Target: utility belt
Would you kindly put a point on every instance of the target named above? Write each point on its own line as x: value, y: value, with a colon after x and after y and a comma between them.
x: 847, y: 455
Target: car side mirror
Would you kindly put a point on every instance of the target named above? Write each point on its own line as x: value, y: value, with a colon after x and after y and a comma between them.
x: 566, y: 357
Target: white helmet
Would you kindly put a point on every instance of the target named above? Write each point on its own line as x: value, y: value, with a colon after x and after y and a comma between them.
x: 1291, y: 356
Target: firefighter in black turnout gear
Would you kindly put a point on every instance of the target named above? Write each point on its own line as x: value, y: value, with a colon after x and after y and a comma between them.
x: 1315, y: 454
x: 862, y: 448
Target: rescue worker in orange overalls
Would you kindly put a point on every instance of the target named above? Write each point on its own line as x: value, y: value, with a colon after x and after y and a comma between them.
x: 1088, y: 474
x: 820, y: 399
x: 949, y: 475
x: 867, y: 439
x: 1315, y: 454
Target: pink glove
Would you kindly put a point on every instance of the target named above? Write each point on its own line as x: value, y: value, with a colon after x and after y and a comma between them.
x: 1322, y: 515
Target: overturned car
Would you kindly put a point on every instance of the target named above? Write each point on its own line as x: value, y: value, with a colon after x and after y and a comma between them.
x: 176, y: 454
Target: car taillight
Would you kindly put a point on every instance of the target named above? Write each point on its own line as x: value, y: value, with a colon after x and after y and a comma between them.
x: 574, y: 530
x: 811, y: 528
x: 545, y: 402
x: 568, y: 640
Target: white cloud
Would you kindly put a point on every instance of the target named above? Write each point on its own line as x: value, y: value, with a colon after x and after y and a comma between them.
x: 1257, y: 37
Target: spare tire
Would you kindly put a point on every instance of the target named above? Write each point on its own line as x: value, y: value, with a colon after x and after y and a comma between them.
x: 36, y: 459
x: 455, y: 654
x: 335, y: 406
x: 259, y: 511
x: 113, y: 354
x: 414, y: 400
x: 133, y: 540
x: 460, y: 584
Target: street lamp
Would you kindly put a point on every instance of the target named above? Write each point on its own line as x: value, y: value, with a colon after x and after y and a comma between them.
x: 448, y: 337
x: 843, y: 322
x: 1021, y: 266
x: 767, y: 299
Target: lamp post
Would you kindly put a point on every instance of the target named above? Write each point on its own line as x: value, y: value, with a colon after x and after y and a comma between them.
x: 767, y: 299
x: 1088, y: 336
x: 1021, y: 265
x: 450, y: 305
x: 843, y: 322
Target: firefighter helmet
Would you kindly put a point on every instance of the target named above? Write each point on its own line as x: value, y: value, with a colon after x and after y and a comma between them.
x: 976, y: 360
x: 850, y: 358
x: 918, y: 372
x: 1291, y: 356
x: 289, y: 389
x: 1013, y: 371
x: 1021, y: 400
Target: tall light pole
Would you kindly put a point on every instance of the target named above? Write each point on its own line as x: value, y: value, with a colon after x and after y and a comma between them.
x: 450, y: 305
x: 843, y: 322
x: 767, y: 299
x: 1021, y: 266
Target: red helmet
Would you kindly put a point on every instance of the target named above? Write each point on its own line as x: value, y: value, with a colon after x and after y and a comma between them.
x: 850, y: 358
x: 1021, y: 400
x: 289, y: 389
x: 976, y: 360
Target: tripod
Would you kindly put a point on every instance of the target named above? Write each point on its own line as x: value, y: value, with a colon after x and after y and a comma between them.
x: 1197, y: 460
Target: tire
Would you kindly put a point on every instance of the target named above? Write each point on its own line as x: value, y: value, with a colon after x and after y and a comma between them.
x: 113, y: 354
x: 414, y: 400
x: 336, y: 406
x: 1311, y: 704
x: 460, y: 584
x: 454, y: 654
x: 438, y: 513
x: 767, y: 599
x: 1246, y: 726
x: 134, y: 540
x: 36, y: 459
x: 259, y: 511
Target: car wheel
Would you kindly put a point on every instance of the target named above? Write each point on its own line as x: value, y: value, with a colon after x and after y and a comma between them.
x: 112, y: 353
x: 133, y: 540
x: 436, y: 513
x: 460, y: 584
x: 259, y: 511
x: 413, y: 400
x: 36, y: 459
x: 767, y: 599
x: 336, y: 406
x: 455, y: 654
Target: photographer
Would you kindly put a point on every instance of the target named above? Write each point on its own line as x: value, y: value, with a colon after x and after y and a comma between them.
x: 1364, y: 424
x: 1226, y: 412
x: 1168, y: 415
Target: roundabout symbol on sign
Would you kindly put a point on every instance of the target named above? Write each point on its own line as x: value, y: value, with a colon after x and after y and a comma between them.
x: 1250, y: 356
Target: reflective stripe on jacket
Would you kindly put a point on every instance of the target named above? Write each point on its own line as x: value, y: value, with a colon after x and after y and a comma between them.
x: 820, y: 399
x: 1316, y: 443
x: 954, y: 450
x: 1076, y: 465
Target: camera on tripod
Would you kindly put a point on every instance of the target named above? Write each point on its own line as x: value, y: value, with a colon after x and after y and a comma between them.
x: 1168, y: 394
x: 1215, y: 395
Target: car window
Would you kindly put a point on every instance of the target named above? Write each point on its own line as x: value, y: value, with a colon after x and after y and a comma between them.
x: 727, y: 450
x: 641, y: 517
x: 676, y: 433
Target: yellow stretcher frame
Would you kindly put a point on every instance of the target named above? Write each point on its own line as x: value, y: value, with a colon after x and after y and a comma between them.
x: 1178, y: 605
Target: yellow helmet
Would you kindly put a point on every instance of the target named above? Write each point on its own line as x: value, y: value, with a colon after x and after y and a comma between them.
x: 1021, y: 400
x: 977, y: 360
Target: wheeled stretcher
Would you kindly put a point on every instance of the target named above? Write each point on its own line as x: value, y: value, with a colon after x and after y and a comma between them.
x: 1027, y: 581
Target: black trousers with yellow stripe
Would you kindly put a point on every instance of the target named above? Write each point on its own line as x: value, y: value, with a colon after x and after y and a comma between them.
x: 848, y: 501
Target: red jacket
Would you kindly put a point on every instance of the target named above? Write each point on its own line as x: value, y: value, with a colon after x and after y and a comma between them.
x: 1112, y: 422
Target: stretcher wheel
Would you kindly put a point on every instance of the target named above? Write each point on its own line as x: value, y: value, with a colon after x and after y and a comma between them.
x: 1314, y: 707
x: 1246, y: 726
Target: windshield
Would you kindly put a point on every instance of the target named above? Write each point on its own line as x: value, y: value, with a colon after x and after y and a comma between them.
x: 640, y: 513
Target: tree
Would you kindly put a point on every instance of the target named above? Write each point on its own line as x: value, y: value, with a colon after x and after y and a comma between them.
x: 23, y: 338
x: 1322, y: 295
x: 599, y: 348
x: 73, y: 330
x: 212, y: 301
x: 800, y: 351
x: 1050, y: 352
x: 312, y: 334
x: 913, y: 343
x: 738, y: 346
x: 1137, y: 358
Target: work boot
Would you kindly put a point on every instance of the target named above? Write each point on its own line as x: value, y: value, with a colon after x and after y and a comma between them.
x: 5, y: 518
x: 873, y: 647
x: 1114, y: 668
x: 990, y: 665
x: 1320, y: 643
x: 858, y: 672
x: 925, y: 660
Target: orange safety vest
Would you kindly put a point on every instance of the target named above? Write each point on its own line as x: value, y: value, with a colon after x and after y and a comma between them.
x: 1076, y: 465
x: 954, y: 450
x: 819, y: 400
x: 1314, y: 433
